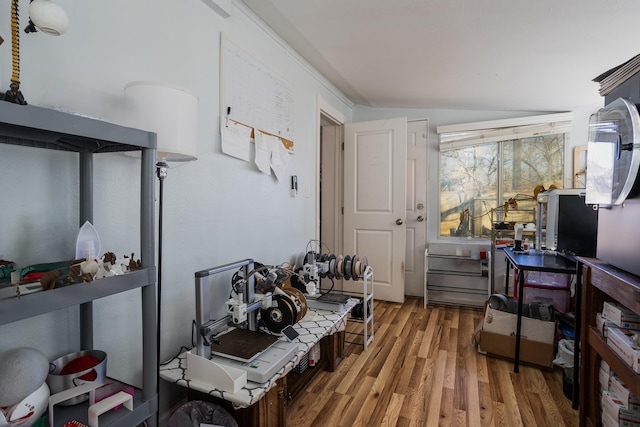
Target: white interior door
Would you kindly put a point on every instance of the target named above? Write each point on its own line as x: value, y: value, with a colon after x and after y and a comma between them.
x: 416, y: 207
x: 375, y: 156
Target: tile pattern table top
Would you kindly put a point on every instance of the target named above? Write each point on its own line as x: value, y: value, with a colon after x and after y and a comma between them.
x: 312, y: 328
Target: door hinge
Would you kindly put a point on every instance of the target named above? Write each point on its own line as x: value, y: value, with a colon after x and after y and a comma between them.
x: 342, y: 210
x: 343, y: 146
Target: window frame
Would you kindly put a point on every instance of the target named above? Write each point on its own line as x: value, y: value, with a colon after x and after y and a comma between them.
x: 452, y: 137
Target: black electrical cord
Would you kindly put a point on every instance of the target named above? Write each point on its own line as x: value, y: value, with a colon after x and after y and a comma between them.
x: 194, y: 325
x: 320, y: 244
x: 331, y: 288
x: 182, y: 350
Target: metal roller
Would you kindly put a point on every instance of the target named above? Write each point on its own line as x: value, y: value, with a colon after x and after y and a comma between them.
x: 299, y: 300
x: 347, y: 267
x: 355, y: 267
x: 277, y: 318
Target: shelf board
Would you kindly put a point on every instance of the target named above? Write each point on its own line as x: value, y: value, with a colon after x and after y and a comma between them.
x: 14, y: 309
x: 456, y: 273
x: 457, y: 290
x: 121, y: 417
x: 456, y: 257
x: 619, y: 366
x: 39, y: 127
x: 608, y: 279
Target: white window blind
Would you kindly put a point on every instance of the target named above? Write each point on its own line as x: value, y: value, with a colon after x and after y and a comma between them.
x: 465, y: 134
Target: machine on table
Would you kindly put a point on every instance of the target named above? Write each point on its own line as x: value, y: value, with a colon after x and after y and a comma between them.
x: 245, y: 317
x: 229, y: 314
x: 254, y: 403
x: 313, y: 266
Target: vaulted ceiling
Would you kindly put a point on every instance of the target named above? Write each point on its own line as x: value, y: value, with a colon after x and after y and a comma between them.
x: 461, y: 54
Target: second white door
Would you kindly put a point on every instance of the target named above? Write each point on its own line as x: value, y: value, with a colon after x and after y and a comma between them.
x: 416, y: 207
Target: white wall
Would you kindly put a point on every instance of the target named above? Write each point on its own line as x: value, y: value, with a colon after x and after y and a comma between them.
x: 217, y: 209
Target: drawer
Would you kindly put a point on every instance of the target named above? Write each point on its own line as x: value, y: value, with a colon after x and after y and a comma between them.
x: 455, y: 264
x: 470, y: 299
x: 452, y: 281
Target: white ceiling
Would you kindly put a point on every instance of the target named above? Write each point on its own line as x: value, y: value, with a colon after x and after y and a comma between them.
x: 539, y: 55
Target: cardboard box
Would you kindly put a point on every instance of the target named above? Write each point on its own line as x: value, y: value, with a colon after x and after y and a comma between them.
x: 604, y: 378
x: 620, y: 315
x: 607, y: 421
x: 602, y: 324
x: 613, y: 408
x: 498, y: 338
x: 625, y: 343
x: 503, y: 323
x: 621, y: 391
x: 533, y: 352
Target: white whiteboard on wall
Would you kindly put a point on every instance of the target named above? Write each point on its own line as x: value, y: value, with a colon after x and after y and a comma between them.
x: 252, y: 94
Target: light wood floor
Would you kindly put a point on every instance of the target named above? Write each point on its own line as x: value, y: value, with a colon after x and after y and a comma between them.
x: 422, y: 370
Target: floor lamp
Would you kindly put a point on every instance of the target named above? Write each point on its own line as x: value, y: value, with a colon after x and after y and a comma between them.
x: 172, y: 113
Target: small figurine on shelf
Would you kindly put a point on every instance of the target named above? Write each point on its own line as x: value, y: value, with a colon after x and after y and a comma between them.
x: 112, y: 266
x: 65, y: 276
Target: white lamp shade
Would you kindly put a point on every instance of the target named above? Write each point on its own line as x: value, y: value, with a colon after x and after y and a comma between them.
x: 49, y: 17
x: 169, y: 111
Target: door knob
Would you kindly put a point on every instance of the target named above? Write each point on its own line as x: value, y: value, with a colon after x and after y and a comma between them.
x: 420, y: 218
x: 399, y: 221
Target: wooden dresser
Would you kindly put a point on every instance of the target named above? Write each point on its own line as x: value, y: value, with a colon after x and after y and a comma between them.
x: 602, y: 282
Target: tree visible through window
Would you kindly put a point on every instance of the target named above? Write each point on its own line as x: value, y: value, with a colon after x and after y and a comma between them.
x: 476, y: 178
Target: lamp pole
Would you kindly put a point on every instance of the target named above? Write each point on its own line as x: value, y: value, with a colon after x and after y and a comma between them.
x: 161, y: 172
x: 170, y: 112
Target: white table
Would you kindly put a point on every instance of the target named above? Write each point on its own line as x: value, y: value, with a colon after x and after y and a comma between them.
x: 312, y: 328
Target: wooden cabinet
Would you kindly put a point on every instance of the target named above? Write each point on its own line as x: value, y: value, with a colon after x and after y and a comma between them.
x: 602, y: 282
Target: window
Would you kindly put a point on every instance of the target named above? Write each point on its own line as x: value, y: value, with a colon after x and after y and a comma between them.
x: 482, y: 165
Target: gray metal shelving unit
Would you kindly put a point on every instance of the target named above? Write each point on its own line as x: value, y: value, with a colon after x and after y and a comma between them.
x: 51, y: 129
